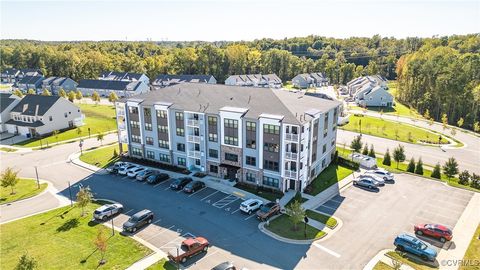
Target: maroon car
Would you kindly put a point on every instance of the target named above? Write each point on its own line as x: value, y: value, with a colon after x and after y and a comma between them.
x: 434, y: 230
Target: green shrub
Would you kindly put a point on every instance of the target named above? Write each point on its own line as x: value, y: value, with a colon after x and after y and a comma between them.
x: 436, y: 172
x: 387, y: 159
x: 464, y: 178
x: 411, y: 166
x: 419, y: 167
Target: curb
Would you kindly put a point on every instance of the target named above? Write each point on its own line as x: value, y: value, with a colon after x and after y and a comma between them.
x: 28, y: 198
x: 261, y: 227
x: 75, y: 159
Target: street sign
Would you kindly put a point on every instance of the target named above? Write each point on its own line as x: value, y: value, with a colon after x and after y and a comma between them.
x: 305, y: 219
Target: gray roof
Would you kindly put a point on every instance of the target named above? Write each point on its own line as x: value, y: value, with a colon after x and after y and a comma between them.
x: 31, y: 79
x: 119, y: 76
x: 210, y: 98
x: 24, y: 124
x: 194, y: 78
x: 9, y: 72
x: 31, y: 72
x: 109, y: 85
x: 256, y: 78
x: 6, y: 100
x: 35, y: 104
x: 55, y: 81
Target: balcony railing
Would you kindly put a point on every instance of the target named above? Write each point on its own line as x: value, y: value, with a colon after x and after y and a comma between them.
x: 291, y: 156
x: 194, y: 154
x: 291, y: 174
x: 291, y: 137
x: 193, y: 123
x: 193, y: 139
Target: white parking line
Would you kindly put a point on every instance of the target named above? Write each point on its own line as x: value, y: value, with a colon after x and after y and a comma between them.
x: 209, y: 195
x: 125, y: 177
x: 157, y: 185
x: 229, y: 203
x: 157, y: 221
x: 196, y: 192
x: 208, y: 255
x: 252, y: 215
x: 168, y: 243
x: 188, y: 235
x: 180, y: 190
x: 144, y: 183
x: 167, y: 188
x: 128, y: 211
x: 160, y: 232
x: 329, y: 251
x: 235, y: 211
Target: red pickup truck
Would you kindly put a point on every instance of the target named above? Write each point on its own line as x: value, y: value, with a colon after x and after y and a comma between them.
x: 190, y: 247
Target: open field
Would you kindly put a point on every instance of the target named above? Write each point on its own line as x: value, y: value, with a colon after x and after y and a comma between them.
x: 102, y: 157
x: 25, y: 188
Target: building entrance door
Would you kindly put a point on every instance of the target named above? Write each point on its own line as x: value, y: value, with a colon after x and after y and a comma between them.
x: 292, y: 184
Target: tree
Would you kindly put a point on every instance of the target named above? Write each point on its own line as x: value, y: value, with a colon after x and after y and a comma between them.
x: 371, y: 153
x: 18, y: 93
x: 62, y: 93
x: 79, y: 131
x: 444, y: 121
x: 464, y: 178
x: 46, y: 92
x: 84, y: 197
x: 460, y: 122
x: 26, y: 263
x: 71, y: 96
x: 101, y: 243
x: 386, y: 159
x: 55, y: 134
x: 399, y: 154
x: 31, y: 92
x: 78, y: 95
x: 426, y: 115
x: 419, y: 167
x: 475, y: 181
x: 100, y: 137
x: 411, y: 166
x: 476, y: 127
x: 112, y: 97
x: 95, y: 97
x: 365, y: 150
x: 450, y: 168
x: 356, y: 144
x: 296, y: 213
x: 9, y: 178
x: 436, y: 172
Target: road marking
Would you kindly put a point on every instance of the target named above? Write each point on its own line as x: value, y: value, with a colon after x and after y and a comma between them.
x: 196, y: 192
x: 229, y: 203
x: 227, y: 209
x: 225, y: 201
x: 128, y: 211
x: 167, y: 188
x: 209, y: 195
x: 209, y: 254
x: 144, y: 183
x: 174, y: 240
x: 180, y: 190
x: 188, y: 235
x: 208, y: 201
x: 157, y: 221
x: 235, y: 211
x: 159, y: 233
x: 157, y: 184
x: 249, y: 217
x: 331, y: 252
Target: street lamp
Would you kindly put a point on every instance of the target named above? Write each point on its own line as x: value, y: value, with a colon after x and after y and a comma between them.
x: 113, y: 229
x: 36, y: 173
x: 305, y: 219
x: 80, y: 145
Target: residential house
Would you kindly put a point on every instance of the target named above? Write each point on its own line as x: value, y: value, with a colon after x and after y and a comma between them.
x: 105, y: 87
x: 164, y: 80
x: 25, y: 72
x: 354, y: 85
x: 9, y: 75
x: 7, y: 103
x: 259, y: 136
x: 256, y: 80
x: 376, y: 96
x: 308, y: 80
x: 54, y: 84
x: 30, y: 82
x: 40, y: 115
x: 124, y: 76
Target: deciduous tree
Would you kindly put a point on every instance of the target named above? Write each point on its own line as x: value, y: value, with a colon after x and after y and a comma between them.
x: 84, y: 197
x: 9, y: 178
x: 26, y: 262
x: 296, y: 213
x: 356, y: 144
x: 464, y: 178
x: 399, y: 154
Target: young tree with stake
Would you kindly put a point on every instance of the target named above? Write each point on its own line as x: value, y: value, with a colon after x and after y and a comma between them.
x: 296, y: 213
x: 9, y: 178
x: 399, y: 154
x: 84, y: 197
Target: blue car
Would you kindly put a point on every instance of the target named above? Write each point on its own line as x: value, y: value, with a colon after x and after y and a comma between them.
x: 413, y: 245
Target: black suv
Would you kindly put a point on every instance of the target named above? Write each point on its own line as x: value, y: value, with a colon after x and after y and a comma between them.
x: 138, y: 220
x: 180, y: 183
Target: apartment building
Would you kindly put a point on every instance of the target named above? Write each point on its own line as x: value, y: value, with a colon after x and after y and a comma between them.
x: 259, y: 136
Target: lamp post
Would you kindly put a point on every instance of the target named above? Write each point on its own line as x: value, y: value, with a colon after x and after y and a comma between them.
x: 113, y: 229
x: 36, y: 173
x: 81, y: 145
x: 70, y: 193
x: 305, y: 219
x: 178, y: 262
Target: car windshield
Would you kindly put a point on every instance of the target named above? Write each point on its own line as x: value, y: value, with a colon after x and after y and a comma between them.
x: 265, y: 208
x: 422, y: 246
x: 151, y: 177
x: 134, y: 219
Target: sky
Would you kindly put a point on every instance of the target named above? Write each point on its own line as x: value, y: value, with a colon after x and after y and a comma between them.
x: 233, y: 20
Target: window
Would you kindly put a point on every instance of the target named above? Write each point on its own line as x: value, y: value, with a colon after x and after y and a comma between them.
x: 181, y: 147
x: 50, y: 118
x: 212, y: 121
x: 333, y: 142
x: 163, y: 129
x: 165, y: 158
x: 230, y: 140
x: 136, y: 139
x: 213, y: 153
x: 179, y: 116
x: 150, y: 154
x: 251, y: 143
x: 181, y: 161
x: 231, y: 157
x: 147, y: 113
x: 212, y: 137
x: 163, y: 144
x: 251, y: 126
x: 230, y: 123
x: 180, y: 132
x: 133, y: 110
x: 134, y: 124
x: 270, y: 165
x: 149, y: 141
x: 271, y: 147
x: 252, y: 161
x: 271, y: 129
x: 250, y: 177
x: 148, y: 126
x: 66, y: 115
x: 136, y: 151
x: 213, y: 168
x: 161, y: 114
x: 250, y: 138
x: 295, y: 130
x: 314, y: 157
x: 270, y: 181
x: 197, y: 162
x: 325, y: 126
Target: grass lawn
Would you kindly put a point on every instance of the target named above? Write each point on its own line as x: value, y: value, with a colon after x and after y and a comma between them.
x: 99, y: 118
x: 473, y: 252
x: 6, y: 149
x: 271, y: 196
x: 25, y: 188
x: 382, y: 266
x: 331, y: 175
x: 387, y: 129
x: 327, y: 220
x: 298, y: 197
x: 163, y: 264
x: 102, y: 157
x: 61, y: 239
x: 284, y: 227
x: 417, y: 264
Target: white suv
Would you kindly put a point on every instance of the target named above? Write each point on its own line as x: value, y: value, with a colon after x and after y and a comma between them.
x: 124, y: 169
x: 134, y: 171
x: 107, y: 210
x: 250, y: 205
x: 386, y: 175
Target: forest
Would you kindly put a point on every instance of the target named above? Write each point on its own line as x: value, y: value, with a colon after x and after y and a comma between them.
x: 438, y: 74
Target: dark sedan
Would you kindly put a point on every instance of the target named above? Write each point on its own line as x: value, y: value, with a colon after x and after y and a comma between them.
x: 180, y: 183
x: 157, y: 178
x: 193, y: 186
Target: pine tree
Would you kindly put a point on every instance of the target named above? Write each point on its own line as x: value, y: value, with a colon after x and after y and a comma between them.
x: 464, y: 178
x: 386, y: 159
x: 411, y: 166
x: 450, y: 168
x: 436, y: 172
x: 356, y: 144
x: 365, y: 150
x: 371, y: 153
x: 419, y: 167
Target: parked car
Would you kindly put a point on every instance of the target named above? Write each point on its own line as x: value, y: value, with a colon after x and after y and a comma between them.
x: 190, y: 247
x: 123, y: 170
x: 142, y: 176
x: 378, y: 180
x: 138, y: 220
x: 441, y: 232
x: 106, y: 211
x: 413, y: 245
x: 251, y: 205
x: 225, y: 266
x: 364, y: 182
x: 115, y: 167
x: 157, y: 178
x: 132, y: 173
x: 193, y: 186
x: 386, y: 175
x: 180, y: 183
x: 268, y: 210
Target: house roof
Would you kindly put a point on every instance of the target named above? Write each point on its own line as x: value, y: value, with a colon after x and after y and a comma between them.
x: 194, y: 78
x: 24, y: 124
x: 255, y: 78
x: 10, y: 72
x: 109, y: 85
x: 6, y: 100
x: 35, y: 104
x: 31, y: 79
x: 119, y: 76
x: 31, y: 72
x: 315, y: 76
x: 55, y: 81
x: 211, y: 98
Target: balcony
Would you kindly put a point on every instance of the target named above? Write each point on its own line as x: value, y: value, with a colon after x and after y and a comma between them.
x: 290, y: 174
x: 291, y: 137
x: 194, y: 154
x: 291, y: 156
x: 193, y: 123
x: 193, y: 139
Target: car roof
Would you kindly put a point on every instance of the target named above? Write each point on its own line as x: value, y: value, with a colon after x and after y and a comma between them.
x: 223, y: 266
x: 141, y: 213
x: 251, y: 201
x: 409, y: 237
x: 189, y: 241
x: 439, y: 226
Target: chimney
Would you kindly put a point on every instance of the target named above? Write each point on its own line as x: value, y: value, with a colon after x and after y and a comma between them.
x: 36, y: 109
